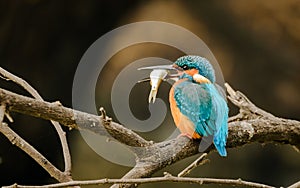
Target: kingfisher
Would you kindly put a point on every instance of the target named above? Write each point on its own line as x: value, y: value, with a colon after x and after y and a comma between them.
x: 198, y: 104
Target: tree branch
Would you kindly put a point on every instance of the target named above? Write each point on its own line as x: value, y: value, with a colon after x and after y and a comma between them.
x: 16, y: 140
x: 295, y: 185
x: 167, y: 178
x: 2, y: 112
x: 69, y: 117
x: 61, y: 134
x: 250, y: 125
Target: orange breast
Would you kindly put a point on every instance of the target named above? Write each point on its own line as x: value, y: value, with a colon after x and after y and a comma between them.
x: 183, y: 123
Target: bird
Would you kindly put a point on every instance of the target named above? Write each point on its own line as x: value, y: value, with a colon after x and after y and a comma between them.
x: 197, y: 104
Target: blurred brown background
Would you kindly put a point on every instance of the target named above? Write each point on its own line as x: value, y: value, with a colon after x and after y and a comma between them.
x: 257, y: 44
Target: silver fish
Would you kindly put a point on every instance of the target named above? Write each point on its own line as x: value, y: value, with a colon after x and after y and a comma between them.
x: 156, y: 77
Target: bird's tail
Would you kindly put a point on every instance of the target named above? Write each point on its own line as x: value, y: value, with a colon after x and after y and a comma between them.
x: 221, y: 149
x: 220, y: 140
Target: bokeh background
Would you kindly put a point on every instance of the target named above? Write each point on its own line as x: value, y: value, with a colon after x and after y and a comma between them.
x: 257, y: 44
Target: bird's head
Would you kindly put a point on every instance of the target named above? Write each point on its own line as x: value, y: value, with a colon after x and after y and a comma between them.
x: 191, y: 65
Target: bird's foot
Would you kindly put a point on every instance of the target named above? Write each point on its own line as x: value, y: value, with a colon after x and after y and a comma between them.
x: 186, y: 135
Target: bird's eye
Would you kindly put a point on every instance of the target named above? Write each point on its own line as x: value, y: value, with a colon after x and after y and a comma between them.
x: 185, y: 67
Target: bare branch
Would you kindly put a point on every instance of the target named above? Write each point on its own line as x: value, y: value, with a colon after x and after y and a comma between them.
x: 61, y: 134
x: 250, y: 125
x: 199, y: 161
x: 295, y: 185
x: 15, y: 139
x: 11, y: 77
x: 2, y: 112
x: 69, y: 117
x: 166, y: 178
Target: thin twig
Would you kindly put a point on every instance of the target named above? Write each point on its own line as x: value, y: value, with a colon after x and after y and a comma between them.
x: 15, y: 139
x: 62, y: 135
x: 102, y: 113
x: 167, y: 178
x: 199, y: 161
x: 4, y: 74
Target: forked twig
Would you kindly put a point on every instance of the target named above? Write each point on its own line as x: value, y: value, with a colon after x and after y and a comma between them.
x: 62, y: 135
x: 15, y: 139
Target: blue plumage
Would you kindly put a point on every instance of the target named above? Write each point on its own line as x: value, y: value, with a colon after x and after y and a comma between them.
x: 200, y: 63
x: 197, y: 98
x: 194, y: 101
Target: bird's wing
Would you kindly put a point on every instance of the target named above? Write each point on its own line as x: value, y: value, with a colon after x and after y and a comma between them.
x: 221, y: 91
x: 195, y: 102
x: 219, y: 116
x: 219, y: 113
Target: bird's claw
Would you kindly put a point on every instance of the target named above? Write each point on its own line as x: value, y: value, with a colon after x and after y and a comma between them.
x: 185, y: 135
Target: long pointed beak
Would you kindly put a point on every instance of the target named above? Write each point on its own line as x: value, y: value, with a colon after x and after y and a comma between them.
x: 166, y: 67
x: 159, y: 73
x: 160, y: 69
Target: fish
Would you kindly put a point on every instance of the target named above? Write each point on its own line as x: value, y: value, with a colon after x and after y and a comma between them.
x: 156, y: 77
